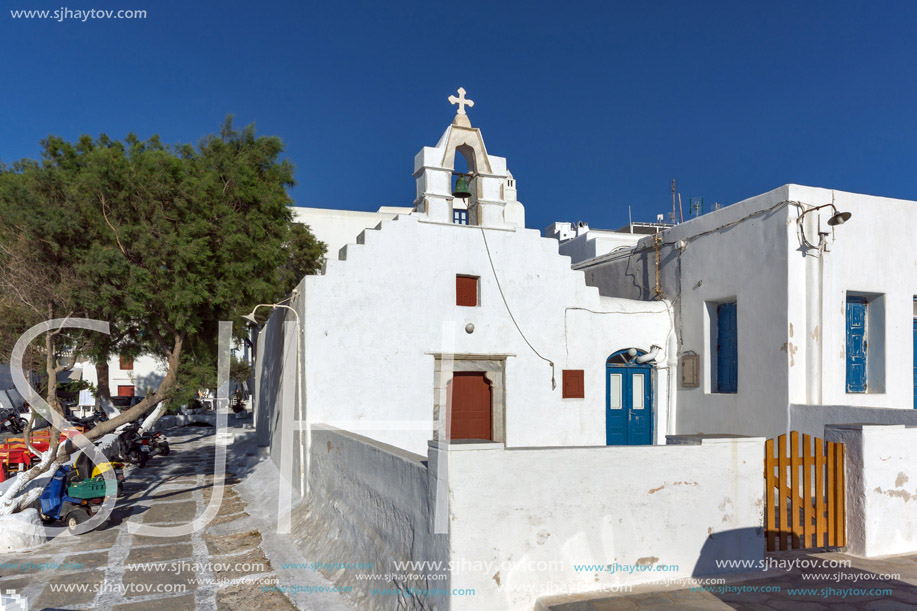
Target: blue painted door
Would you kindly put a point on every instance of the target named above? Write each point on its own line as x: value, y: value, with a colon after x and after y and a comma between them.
x: 628, y: 406
x: 856, y: 344
x: 727, y: 348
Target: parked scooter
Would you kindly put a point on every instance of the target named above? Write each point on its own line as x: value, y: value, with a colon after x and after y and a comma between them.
x: 11, y: 420
x: 90, y: 421
x: 159, y: 444
x: 133, y: 447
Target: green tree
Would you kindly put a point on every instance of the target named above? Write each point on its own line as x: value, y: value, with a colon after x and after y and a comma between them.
x: 161, y: 241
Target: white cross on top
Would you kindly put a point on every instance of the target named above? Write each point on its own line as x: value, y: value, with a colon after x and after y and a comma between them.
x: 461, y: 101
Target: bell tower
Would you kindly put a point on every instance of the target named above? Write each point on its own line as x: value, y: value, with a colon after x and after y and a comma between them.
x: 491, y: 189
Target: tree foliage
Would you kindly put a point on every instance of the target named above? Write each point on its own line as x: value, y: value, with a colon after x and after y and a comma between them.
x: 161, y: 241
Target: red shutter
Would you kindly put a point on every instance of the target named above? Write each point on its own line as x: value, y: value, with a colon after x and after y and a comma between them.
x: 466, y: 291
x: 574, y: 386
x: 127, y: 362
x: 125, y: 391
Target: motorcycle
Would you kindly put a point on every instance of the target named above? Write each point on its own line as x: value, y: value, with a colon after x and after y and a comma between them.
x: 10, y: 419
x: 132, y: 446
x: 159, y: 444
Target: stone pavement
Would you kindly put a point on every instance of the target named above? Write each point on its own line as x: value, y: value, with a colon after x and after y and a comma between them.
x: 883, y: 584
x: 222, y: 566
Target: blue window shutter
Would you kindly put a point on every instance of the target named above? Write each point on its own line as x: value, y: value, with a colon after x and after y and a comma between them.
x: 856, y: 344
x: 727, y: 348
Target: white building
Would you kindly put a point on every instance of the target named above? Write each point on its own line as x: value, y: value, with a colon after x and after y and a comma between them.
x: 464, y: 396
x: 409, y: 292
x: 785, y: 320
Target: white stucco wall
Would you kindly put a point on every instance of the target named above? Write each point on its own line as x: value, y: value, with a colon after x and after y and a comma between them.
x: 881, y: 479
x: 374, y: 322
x: 596, y: 242
x: 530, y: 515
x: 372, y: 505
x: 337, y: 228
x: 812, y: 419
x: 873, y: 253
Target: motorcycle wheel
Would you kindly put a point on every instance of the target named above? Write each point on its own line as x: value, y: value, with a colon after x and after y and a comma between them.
x: 142, y: 460
x: 164, y: 449
x: 21, y: 423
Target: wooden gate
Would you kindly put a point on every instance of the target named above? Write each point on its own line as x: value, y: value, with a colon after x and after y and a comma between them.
x: 804, y: 493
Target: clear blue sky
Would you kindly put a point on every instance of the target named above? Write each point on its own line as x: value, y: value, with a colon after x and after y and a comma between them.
x: 596, y: 105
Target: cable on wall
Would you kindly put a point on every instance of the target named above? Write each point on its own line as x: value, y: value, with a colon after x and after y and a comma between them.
x: 510, y: 312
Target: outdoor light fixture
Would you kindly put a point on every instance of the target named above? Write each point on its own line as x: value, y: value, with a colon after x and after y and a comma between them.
x: 838, y: 218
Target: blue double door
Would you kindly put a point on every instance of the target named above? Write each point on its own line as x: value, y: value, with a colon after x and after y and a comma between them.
x: 628, y: 405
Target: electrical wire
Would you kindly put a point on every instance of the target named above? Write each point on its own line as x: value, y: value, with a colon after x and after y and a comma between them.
x: 510, y: 312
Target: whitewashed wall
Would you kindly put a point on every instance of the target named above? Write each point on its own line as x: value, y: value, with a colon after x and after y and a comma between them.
x: 874, y: 252
x: 530, y: 515
x: 374, y: 322
x: 881, y: 478
x: 812, y: 419
x: 372, y: 504
x: 337, y: 228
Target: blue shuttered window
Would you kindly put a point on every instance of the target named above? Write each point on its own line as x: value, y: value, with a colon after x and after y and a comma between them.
x: 727, y: 348
x: 856, y: 344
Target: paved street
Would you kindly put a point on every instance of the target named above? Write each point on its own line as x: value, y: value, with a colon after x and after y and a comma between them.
x: 221, y: 567
x: 853, y: 588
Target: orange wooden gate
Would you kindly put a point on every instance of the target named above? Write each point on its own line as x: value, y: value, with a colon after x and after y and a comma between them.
x: 804, y: 493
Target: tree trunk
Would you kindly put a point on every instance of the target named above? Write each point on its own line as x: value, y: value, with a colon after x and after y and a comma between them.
x: 103, y: 387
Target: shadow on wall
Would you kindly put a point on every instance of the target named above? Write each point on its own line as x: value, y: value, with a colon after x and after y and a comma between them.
x: 724, y: 551
x: 269, y: 370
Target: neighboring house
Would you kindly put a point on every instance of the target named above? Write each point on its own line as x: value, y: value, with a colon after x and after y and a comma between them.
x: 785, y: 319
x: 579, y: 242
x: 129, y: 377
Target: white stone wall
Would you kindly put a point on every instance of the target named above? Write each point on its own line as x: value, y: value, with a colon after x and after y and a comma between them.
x: 881, y: 478
x: 374, y: 324
x: 372, y: 504
x: 336, y: 228
x: 530, y: 515
x: 812, y: 419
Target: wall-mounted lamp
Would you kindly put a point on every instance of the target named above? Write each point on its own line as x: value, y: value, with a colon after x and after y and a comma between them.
x: 838, y: 218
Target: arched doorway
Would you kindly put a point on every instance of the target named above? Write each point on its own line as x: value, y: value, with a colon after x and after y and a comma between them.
x: 628, y: 399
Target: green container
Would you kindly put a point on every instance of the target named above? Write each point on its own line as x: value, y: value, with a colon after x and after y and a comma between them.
x: 91, y: 489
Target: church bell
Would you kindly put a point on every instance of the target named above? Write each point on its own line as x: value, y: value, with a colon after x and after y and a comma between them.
x: 461, y: 190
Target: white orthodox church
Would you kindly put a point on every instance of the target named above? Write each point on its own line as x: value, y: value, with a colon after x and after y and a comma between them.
x: 460, y: 285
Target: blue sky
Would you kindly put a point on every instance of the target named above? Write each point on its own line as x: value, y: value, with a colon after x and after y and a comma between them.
x: 596, y: 105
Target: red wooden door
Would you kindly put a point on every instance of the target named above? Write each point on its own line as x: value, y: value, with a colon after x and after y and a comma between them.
x: 470, y: 393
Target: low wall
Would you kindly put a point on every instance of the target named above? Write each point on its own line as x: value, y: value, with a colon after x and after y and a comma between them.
x: 881, y: 479
x: 525, y: 521
x: 812, y: 419
x: 369, y: 506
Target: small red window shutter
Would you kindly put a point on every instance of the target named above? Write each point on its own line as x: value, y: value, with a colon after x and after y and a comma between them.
x: 466, y: 291
x: 125, y: 391
x: 573, y: 384
x: 127, y: 362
